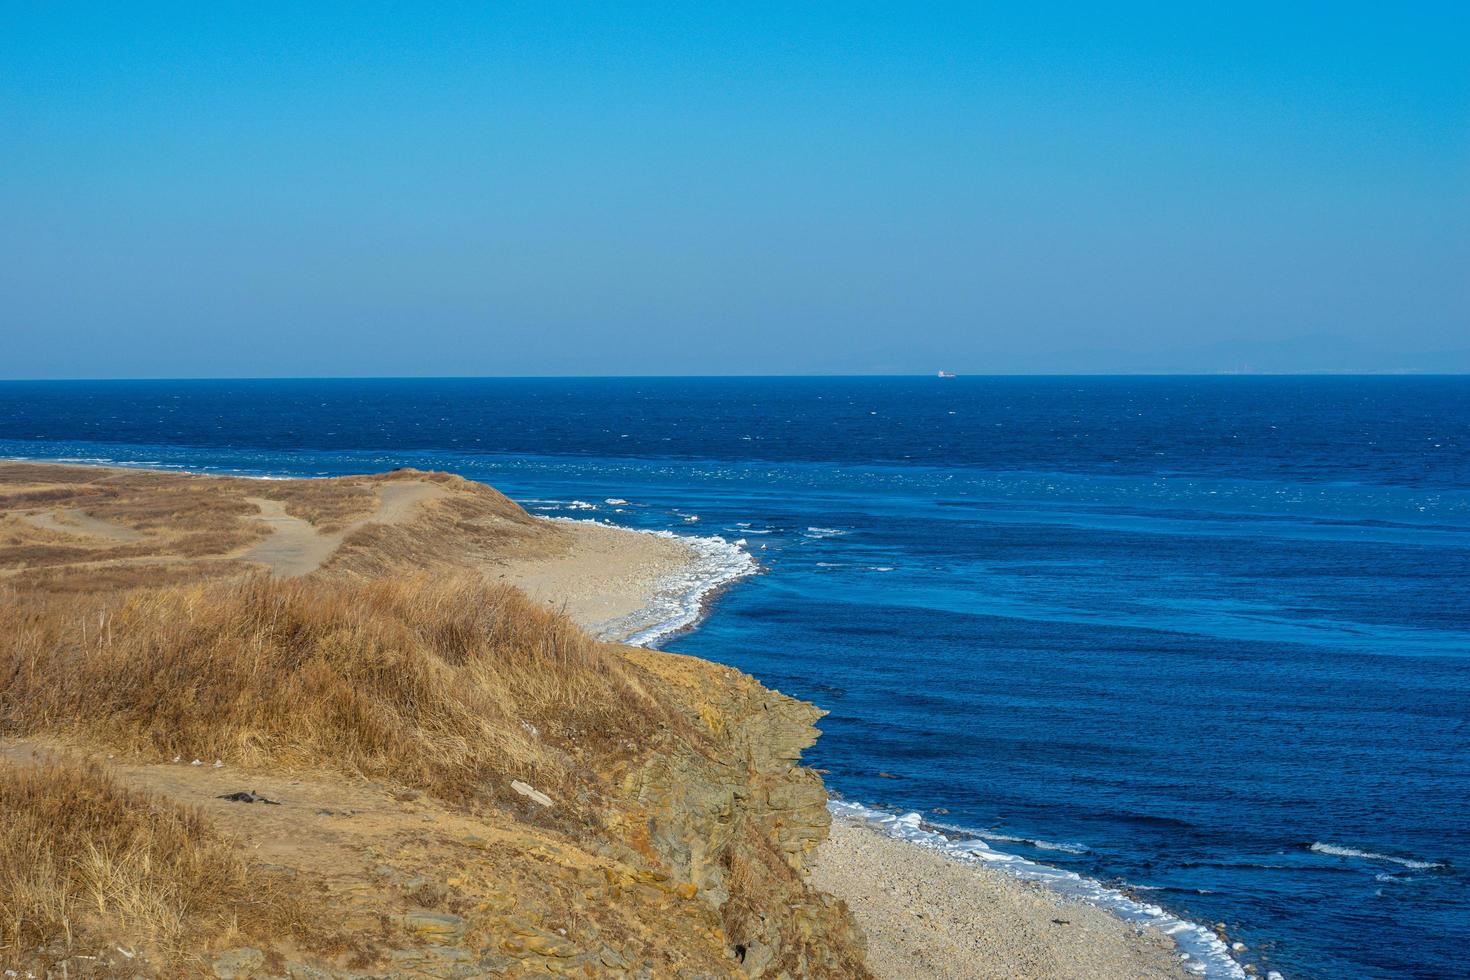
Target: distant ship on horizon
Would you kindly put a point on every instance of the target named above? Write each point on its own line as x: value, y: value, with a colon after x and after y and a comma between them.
x: 946, y: 374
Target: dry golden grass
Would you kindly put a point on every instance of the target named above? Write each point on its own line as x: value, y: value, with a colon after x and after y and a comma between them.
x: 328, y: 504
x: 151, y: 520
x: 88, y: 583
x: 152, y: 516
x: 84, y: 860
x: 151, y: 500
x: 172, y: 503
x: 450, y: 684
x: 477, y: 525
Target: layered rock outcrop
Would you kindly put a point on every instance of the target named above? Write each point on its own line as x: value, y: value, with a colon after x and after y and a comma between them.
x: 732, y: 813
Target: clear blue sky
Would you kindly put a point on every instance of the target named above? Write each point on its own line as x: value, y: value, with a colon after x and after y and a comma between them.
x: 217, y: 189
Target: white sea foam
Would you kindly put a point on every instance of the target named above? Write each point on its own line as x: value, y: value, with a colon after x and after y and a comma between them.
x: 1352, y: 852
x: 1202, y: 952
x: 89, y: 460
x: 615, y: 501
x: 824, y: 532
x: 1040, y: 845
x: 678, y: 600
x: 995, y: 835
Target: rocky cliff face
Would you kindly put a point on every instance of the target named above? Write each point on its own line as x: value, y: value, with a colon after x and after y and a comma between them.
x: 727, y: 807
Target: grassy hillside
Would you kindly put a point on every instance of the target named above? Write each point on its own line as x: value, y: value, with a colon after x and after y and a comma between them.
x: 466, y: 783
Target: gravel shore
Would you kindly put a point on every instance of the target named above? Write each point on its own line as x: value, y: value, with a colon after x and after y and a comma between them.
x: 929, y: 916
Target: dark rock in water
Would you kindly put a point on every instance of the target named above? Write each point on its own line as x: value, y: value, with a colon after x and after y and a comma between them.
x: 247, y: 797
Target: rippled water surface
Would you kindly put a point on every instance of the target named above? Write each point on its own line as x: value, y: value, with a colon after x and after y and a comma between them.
x: 1206, y: 637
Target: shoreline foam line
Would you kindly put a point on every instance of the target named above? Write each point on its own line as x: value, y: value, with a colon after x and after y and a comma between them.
x: 1202, y: 952
x: 681, y: 599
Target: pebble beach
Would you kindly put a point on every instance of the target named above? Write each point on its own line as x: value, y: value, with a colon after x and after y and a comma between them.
x: 928, y: 917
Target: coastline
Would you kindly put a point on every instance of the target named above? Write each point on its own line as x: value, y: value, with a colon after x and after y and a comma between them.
x: 885, y: 867
x: 966, y: 902
x: 640, y: 587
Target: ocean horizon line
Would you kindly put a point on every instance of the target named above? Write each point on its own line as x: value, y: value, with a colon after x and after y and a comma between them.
x: 955, y: 376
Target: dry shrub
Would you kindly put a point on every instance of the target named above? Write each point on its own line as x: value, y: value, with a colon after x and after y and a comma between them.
x: 85, y: 860
x: 451, y: 684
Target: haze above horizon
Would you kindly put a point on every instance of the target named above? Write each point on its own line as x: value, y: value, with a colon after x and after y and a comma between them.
x: 554, y: 190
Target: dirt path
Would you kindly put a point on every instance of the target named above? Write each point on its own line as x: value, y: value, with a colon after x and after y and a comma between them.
x: 296, y: 548
x: 77, y: 522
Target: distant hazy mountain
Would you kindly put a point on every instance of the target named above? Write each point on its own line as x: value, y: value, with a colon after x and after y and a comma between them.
x: 1298, y: 355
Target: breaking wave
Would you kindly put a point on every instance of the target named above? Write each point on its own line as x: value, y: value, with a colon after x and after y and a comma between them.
x: 1352, y: 852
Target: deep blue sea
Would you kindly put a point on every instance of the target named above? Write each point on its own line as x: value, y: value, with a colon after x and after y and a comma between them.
x: 1208, y: 637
